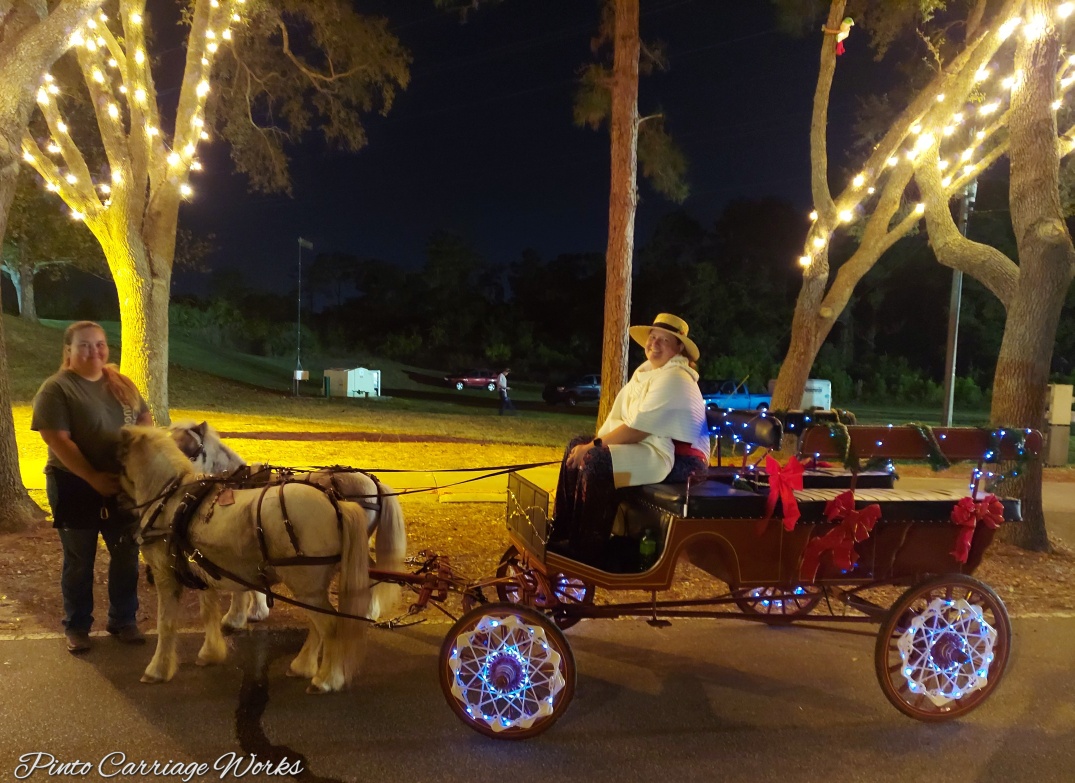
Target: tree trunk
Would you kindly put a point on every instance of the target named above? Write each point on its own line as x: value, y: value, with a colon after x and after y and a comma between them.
x: 805, y: 338
x: 17, y: 511
x: 623, y: 199
x: 1046, y: 264
x: 27, y: 303
x: 25, y: 54
x: 14, y: 273
x: 144, y: 296
x: 808, y: 332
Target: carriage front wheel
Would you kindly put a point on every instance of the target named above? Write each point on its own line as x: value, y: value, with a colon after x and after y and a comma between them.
x: 506, y: 671
x: 943, y: 647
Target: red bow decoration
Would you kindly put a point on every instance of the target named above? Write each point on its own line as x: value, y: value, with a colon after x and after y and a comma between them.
x: 855, y: 527
x: 968, y: 513
x: 782, y: 484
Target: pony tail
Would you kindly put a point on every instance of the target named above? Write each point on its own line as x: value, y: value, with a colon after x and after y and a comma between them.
x: 122, y: 387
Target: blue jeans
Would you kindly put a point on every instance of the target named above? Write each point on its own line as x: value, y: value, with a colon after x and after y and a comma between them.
x: 76, y: 581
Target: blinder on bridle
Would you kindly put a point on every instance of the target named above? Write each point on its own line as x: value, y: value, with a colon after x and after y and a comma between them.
x: 192, y: 445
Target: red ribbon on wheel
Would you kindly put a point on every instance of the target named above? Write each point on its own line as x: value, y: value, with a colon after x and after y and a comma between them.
x: 967, y: 514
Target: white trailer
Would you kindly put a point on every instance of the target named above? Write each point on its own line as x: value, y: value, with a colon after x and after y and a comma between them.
x: 357, y: 382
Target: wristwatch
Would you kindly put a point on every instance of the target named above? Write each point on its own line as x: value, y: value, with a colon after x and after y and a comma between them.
x: 597, y: 443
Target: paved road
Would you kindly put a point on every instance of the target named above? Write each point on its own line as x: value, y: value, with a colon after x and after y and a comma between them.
x: 699, y: 701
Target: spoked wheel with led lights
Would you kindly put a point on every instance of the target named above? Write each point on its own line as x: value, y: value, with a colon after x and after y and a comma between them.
x: 565, y: 589
x: 778, y: 604
x: 506, y: 671
x: 943, y: 648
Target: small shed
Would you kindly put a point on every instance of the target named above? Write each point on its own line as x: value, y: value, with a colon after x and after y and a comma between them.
x: 357, y: 382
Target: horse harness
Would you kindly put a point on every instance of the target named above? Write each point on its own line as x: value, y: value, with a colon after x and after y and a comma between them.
x: 184, y: 554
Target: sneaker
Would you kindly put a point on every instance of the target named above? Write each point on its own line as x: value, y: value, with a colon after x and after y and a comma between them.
x: 128, y: 634
x: 77, y: 642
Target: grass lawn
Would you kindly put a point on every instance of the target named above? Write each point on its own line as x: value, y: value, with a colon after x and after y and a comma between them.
x: 243, y: 394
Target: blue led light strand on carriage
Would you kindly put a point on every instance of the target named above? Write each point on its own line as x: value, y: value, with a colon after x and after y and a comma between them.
x: 506, y: 672
x: 946, y: 650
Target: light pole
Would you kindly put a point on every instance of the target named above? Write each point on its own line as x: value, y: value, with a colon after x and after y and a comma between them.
x: 969, y: 194
x: 300, y: 374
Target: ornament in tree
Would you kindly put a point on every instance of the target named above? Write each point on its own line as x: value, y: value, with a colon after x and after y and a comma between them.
x: 841, y: 33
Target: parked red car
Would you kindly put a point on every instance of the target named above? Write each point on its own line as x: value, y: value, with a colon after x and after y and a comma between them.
x: 473, y: 379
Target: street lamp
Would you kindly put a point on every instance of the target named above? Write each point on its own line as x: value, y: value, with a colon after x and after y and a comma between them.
x: 969, y: 194
x: 300, y: 374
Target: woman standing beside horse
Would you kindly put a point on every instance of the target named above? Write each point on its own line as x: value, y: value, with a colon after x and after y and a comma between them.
x: 79, y: 412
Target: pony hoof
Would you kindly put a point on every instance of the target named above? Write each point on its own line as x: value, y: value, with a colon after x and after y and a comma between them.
x: 229, y: 630
x: 152, y: 679
x: 311, y: 688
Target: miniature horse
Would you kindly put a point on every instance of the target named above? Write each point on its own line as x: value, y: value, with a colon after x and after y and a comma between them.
x: 210, y: 455
x: 157, y: 475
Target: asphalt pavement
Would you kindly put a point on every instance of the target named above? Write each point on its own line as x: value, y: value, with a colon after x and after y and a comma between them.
x: 700, y: 700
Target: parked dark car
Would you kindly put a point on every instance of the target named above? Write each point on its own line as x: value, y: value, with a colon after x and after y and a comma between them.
x: 588, y: 387
x: 473, y: 379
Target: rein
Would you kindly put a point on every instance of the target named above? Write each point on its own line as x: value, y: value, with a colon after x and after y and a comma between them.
x: 217, y: 572
x: 497, y: 470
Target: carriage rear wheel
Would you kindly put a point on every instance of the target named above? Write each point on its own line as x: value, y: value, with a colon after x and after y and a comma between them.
x: 566, y: 589
x: 778, y: 604
x: 506, y: 671
x: 942, y: 648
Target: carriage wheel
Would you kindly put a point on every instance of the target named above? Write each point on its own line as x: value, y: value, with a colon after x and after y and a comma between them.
x: 570, y: 590
x: 506, y: 671
x: 566, y: 589
x: 942, y: 648
x: 511, y: 568
x: 778, y: 604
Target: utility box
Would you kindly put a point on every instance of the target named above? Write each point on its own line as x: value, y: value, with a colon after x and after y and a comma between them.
x: 816, y: 394
x: 357, y: 382
x: 1058, y: 399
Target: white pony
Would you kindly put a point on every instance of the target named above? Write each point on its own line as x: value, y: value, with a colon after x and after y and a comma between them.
x: 209, y: 454
x: 224, y: 529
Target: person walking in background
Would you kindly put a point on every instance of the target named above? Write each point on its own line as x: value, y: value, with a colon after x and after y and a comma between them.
x: 502, y: 390
x: 79, y: 412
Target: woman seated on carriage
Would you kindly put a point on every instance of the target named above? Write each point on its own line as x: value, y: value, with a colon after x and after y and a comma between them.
x: 656, y: 431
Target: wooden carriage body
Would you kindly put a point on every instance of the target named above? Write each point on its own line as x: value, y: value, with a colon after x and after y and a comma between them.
x: 724, y: 529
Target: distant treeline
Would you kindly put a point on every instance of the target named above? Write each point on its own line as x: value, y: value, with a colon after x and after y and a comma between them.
x: 734, y: 281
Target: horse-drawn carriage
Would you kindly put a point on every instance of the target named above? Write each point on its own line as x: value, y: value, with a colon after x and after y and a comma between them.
x: 789, y: 542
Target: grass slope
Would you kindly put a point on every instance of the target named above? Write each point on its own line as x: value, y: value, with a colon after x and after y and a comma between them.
x: 242, y: 393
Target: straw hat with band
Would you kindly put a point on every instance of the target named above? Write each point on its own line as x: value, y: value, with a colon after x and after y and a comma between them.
x: 673, y: 325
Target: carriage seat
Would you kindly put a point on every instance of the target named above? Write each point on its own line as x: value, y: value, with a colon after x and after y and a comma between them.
x: 764, y: 430
x: 706, y: 500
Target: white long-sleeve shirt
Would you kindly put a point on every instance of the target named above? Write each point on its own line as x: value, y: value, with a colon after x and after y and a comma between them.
x: 666, y: 403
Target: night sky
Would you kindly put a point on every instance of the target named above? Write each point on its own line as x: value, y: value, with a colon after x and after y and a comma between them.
x: 482, y: 142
